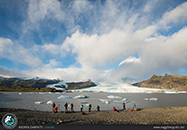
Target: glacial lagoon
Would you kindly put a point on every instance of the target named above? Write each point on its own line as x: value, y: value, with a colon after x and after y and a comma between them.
x: 106, y: 101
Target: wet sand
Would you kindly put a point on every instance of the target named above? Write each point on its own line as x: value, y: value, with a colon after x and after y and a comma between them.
x: 146, y: 116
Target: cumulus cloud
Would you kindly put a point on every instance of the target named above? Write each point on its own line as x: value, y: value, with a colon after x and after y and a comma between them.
x: 177, y: 14
x: 129, y: 60
x: 101, y: 34
x: 17, y: 53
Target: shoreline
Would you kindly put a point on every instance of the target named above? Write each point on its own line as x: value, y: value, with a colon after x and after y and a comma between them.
x: 145, y: 116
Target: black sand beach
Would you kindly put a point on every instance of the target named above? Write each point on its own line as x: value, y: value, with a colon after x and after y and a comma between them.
x: 146, y: 116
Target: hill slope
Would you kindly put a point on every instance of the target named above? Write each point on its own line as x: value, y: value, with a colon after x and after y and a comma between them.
x: 36, y: 84
x: 80, y: 85
x: 169, y: 81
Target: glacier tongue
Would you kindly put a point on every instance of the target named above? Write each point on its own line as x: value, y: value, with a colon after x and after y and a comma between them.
x: 123, y: 88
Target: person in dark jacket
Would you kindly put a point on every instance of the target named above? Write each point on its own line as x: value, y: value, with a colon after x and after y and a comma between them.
x: 66, y: 107
x: 72, y: 107
x: 90, y: 106
x: 98, y: 108
x: 123, y: 106
x: 53, y: 106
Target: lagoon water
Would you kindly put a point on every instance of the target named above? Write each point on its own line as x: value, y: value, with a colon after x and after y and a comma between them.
x: 26, y: 100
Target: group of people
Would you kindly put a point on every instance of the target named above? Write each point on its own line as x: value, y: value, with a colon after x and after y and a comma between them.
x: 69, y: 108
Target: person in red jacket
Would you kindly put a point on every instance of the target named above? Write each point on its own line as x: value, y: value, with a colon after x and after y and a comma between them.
x: 114, y: 109
x: 55, y: 109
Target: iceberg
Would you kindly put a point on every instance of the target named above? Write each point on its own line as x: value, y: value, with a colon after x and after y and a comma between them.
x: 120, y: 101
x: 146, y: 99
x: 43, y: 93
x: 64, y: 97
x: 80, y: 97
x: 104, y: 101
x: 114, y: 97
x: 85, y: 103
x: 50, y: 102
x: 153, y: 99
x: 125, y: 99
x: 39, y: 102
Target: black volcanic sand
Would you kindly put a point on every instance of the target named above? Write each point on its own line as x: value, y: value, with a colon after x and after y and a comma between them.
x: 146, y: 116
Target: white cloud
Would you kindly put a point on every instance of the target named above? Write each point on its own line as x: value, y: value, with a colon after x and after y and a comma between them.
x: 39, y: 10
x: 52, y: 48
x: 129, y: 60
x: 52, y: 63
x: 18, y: 53
x: 176, y: 15
x: 113, y: 31
x: 101, y: 50
x: 10, y: 73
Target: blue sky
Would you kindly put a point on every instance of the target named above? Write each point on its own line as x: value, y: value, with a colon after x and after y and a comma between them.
x: 93, y: 39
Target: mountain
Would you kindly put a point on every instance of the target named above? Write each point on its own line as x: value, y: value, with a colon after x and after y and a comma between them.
x: 30, y: 83
x: 80, y: 85
x: 35, y: 84
x: 169, y: 81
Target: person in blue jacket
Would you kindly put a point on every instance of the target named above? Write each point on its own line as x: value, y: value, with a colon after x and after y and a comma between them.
x: 81, y: 107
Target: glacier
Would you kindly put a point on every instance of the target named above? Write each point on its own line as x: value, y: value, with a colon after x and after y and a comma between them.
x: 118, y: 87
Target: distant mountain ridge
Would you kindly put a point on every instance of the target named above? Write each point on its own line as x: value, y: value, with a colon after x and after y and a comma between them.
x: 34, y: 84
x: 168, y: 81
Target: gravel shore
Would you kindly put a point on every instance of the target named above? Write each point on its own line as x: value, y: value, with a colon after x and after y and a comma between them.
x: 146, y: 116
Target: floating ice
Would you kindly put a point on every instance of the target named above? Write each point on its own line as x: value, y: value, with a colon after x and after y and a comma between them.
x: 20, y: 93
x: 105, y: 101
x: 153, y: 99
x: 39, y: 102
x: 146, y: 99
x: 120, y: 101
x: 80, y: 97
x: 50, y: 102
x: 125, y: 99
x: 114, y: 97
x: 64, y: 97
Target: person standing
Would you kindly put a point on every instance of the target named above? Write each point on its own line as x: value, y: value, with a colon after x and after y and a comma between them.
x: 81, y: 107
x: 69, y: 107
x: 98, y: 108
x: 72, y: 107
x: 90, y: 106
x: 53, y: 106
x: 66, y: 107
x: 123, y: 106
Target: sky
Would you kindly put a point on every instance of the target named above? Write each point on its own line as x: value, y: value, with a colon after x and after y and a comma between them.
x: 101, y: 40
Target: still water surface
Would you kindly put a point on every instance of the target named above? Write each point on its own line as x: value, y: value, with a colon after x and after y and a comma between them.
x: 26, y: 100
